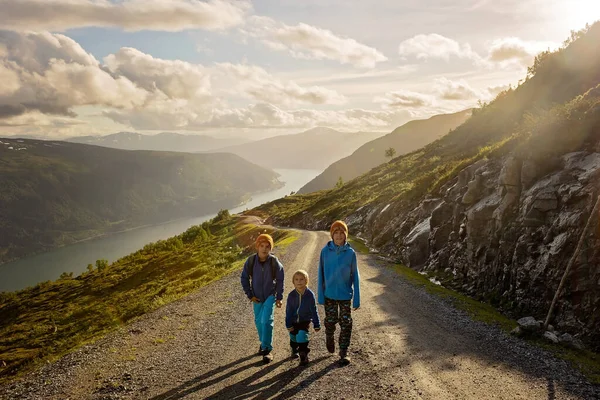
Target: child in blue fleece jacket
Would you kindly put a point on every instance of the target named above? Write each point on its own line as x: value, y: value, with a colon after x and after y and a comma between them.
x: 339, y: 284
x: 262, y: 281
x: 301, y: 310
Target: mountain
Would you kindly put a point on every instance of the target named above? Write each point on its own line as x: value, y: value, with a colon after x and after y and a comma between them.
x: 404, y: 139
x: 166, y: 141
x: 312, y: 149
x: 497, y: 207
x: 55, y: 193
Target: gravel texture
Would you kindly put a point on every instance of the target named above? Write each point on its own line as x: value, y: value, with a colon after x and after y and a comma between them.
x: 406, y: 344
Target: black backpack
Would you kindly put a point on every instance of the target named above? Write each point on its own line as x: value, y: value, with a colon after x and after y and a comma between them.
x: 252, y: 260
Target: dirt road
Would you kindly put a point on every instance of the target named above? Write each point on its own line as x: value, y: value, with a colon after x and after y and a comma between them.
x: 406, y: 344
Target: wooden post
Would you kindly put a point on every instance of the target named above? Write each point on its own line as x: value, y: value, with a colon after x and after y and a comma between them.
x: 571, y: 262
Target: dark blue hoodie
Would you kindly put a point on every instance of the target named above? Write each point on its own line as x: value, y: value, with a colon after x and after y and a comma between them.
x: 263, y: 284
x: 301, y: 308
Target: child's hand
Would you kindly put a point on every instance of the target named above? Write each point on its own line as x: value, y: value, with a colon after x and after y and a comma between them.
x: 255, y: 299
x: 317, y: 329
x: 290, y: 329
x: 278, y: 303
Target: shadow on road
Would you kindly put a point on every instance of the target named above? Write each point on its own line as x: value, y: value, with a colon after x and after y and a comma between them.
x: 253, y: 386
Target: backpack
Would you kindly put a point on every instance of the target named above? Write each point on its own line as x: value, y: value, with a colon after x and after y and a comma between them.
x: 252, y: 260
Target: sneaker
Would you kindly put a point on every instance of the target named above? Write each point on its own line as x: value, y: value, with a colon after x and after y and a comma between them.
x: 330, y: 343
x: 267, y: 357
x: 260, y: 350
x: 344, y: 359
x: 303, y: 358
x: 295, y: 353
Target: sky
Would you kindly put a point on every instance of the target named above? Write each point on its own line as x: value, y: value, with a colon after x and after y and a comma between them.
x: 266, y: 67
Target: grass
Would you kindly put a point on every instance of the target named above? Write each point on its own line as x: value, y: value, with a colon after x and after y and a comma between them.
x: 358, y: 245
x: 42, y: 323
x: 587, y: 362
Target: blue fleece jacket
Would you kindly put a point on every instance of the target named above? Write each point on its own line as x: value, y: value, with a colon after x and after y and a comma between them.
x: 301, y: 308
x: 262, y: 285
x: 338, y: 274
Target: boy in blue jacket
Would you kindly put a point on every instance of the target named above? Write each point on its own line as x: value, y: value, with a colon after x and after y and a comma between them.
x: 262, y: 281
x: 339, y: 283
x: 301, y: 310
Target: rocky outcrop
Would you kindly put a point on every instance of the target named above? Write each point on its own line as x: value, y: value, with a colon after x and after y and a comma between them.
x: 505, y: 229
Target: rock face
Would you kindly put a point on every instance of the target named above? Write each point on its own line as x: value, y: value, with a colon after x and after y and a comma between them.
x: 506, y: 229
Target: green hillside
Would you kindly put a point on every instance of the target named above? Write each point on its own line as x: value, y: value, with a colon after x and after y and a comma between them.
x: 404, y: 139
x: 55, y: 193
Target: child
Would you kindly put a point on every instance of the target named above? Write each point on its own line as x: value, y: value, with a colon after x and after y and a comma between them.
x: 262, y: 281
x: 301, y: 310
x: 339, y: 282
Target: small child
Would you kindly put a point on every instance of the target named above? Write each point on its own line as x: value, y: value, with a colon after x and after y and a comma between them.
x: 301, y: 310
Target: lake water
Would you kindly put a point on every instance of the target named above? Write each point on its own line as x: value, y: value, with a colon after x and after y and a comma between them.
x: 29, y: 271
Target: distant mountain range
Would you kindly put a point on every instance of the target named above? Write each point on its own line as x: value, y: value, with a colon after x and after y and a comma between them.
x: 404, y: 139
x: 313, y: 149
x: 55, y: 193
x: 166, y: 141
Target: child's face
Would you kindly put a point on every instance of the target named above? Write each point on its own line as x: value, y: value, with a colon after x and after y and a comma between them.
x: 264, y: 248
x: 300, y: 282
x: 339, y: 237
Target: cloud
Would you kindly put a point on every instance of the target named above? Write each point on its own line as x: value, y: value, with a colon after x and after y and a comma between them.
x: 264, y: 87
x: 51, y: 73
x: 508, y: 52
x: 457, y: 90
x: 264, y: 116
x: 435, y: 46
x: 404, y: 99
x: 309, y: 42
x: 174, y: 78
x: 512, y: 50
x: 130, y: 15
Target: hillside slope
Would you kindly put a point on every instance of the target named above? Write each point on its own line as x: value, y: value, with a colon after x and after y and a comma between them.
x: 312, y: 149
x: 54, y: 193
x: 404, y: 139
x: 497, y: 206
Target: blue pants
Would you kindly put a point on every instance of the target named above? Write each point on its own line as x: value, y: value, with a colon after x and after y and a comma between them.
x: 300, y: 337
x: 264, y: 315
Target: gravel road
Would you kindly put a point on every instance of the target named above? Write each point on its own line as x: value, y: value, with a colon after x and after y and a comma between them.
x: 406, y: 344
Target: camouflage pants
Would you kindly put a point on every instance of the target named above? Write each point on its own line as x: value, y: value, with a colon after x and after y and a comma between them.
x: 338, y: 311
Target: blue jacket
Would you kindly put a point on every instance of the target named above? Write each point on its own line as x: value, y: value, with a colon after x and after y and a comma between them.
x: 338, y: 274
x: 301, y: 308
x: 263, y: 285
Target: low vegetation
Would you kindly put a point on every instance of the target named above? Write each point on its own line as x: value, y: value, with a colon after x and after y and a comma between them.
x: 46, y: 321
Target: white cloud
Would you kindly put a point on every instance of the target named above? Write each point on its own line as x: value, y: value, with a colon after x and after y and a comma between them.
x: 262, y: 86
x: 507, y: 52
x: 512, y: 50
x: 131, y: 15
x: 435, y: 46
x: 404, y: 99
x: 310, y: 42
x: 457, y: 90
x: 264, y: 116
x: 174, y: 78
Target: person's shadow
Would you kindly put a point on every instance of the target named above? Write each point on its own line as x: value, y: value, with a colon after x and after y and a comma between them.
x: 246, y: 388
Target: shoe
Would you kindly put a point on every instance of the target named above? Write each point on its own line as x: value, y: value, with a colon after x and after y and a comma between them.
x: 330, y: 343
x: 267, y: 357
x: 303, y: 358
x: 260, y: 350
x: 344, y: 359
x: 295, y: 353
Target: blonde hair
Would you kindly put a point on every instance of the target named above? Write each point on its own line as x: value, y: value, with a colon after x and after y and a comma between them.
x: 301, y: 272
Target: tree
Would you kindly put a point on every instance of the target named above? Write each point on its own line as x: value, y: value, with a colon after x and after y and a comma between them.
x: 340, y: 183
x: 391, y: 152
x: 101, y: 264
